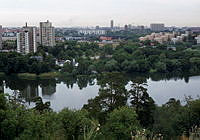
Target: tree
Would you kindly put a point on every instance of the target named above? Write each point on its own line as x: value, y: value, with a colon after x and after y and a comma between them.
x: 40, y: 106
x: 194, y: 108
x: 68, y: 67
x: 75, y: 123
x: 122, y: 123
x: 160, y: 67
x: 83, y: 67
x: 173, y: 119
x: 112, y: 95
x: 111, y: 65
x: 143, y: 103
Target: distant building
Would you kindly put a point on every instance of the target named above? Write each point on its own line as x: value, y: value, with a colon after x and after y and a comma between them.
x: 159, y: 37
x: 92, y: 32
x: 38, y: 58
x: 157, y: 27
x: 105, y: 38
x: 74, y: 38
x: 111, y: 24
x: 126, y: 27
x: 26, y: 40
x: 194, y: 29
x: 130, y: 26
x: 47, y: 34
x: 97, y: 27
x: 141, y: 27
x: 9, y: 38
x: 1, y: 37
x: 198, y: 39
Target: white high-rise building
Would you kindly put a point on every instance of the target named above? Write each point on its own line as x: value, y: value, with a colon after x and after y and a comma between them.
x: 26, y: 40
x: 47, y: 34
x: 1, y: 37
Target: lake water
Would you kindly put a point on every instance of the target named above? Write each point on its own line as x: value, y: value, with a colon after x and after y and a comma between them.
x: 74, y: 93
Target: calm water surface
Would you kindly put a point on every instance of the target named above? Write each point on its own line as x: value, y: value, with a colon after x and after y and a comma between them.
x: 74, y: 93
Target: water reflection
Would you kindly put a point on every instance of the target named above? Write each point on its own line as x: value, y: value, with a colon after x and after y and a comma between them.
x: 30, y: 92
x: 74, y: 92
x: 48, y: 88
x: 1, y: 86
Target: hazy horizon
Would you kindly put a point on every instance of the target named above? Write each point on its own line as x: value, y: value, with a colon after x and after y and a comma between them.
x: 68, y: 13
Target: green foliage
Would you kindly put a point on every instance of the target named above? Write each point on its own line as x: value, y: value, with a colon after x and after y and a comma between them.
x: 111, y: 65
x: 128, y: 57
x: 112, y: 95
x: 67, y: 68
x: 40, y: 106
x: 122, y: 123
x: 143, y: 103
x: 75, y: 123
x: 173, y: 119
x: 16, y: 63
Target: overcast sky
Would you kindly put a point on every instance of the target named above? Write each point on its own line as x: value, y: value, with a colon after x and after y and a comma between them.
x: 69, y: 13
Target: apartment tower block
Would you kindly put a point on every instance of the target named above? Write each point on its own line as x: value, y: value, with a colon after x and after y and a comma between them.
x: 47, y: 34
x: 26, y: 40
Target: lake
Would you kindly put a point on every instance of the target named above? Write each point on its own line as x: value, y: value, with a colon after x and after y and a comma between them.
x: 74, y: 92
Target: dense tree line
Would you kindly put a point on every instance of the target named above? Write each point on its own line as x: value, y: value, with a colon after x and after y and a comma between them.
x: 16, y: 63
x: 128, y: 57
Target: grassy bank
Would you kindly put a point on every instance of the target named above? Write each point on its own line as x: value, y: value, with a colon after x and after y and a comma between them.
x: 32, y: 76
x: 49, y: 75
x: 27, y: 76
x: 2, y: 74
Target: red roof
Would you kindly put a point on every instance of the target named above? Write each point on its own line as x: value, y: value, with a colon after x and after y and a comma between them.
x: 106, y: 38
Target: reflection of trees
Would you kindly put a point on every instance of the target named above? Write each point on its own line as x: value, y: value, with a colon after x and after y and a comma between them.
x: 159, y: 76
x: 69, y: 81
x: 1, y: 86
x: 48, y: 87
x: 31, y: 91
x: 29, y: 88
x: 169, y: 76
x: 15, y: 83
x: 81, y: 81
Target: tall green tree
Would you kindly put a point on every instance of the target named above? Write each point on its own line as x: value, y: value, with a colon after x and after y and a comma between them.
x: 143, y: 103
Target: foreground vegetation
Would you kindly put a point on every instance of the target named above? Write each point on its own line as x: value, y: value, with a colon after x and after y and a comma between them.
x: 116, y: 113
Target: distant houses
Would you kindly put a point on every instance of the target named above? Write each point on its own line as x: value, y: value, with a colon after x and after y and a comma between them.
x: 62, y: 62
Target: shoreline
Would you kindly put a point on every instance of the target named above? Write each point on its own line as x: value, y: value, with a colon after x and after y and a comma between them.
x: 51, y: 75
x: 32, y: 76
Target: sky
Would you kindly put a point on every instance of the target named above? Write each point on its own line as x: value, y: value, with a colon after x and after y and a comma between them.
x: 72, y: 13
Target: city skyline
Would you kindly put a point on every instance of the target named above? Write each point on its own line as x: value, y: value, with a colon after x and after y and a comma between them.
x: 91, y: 13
